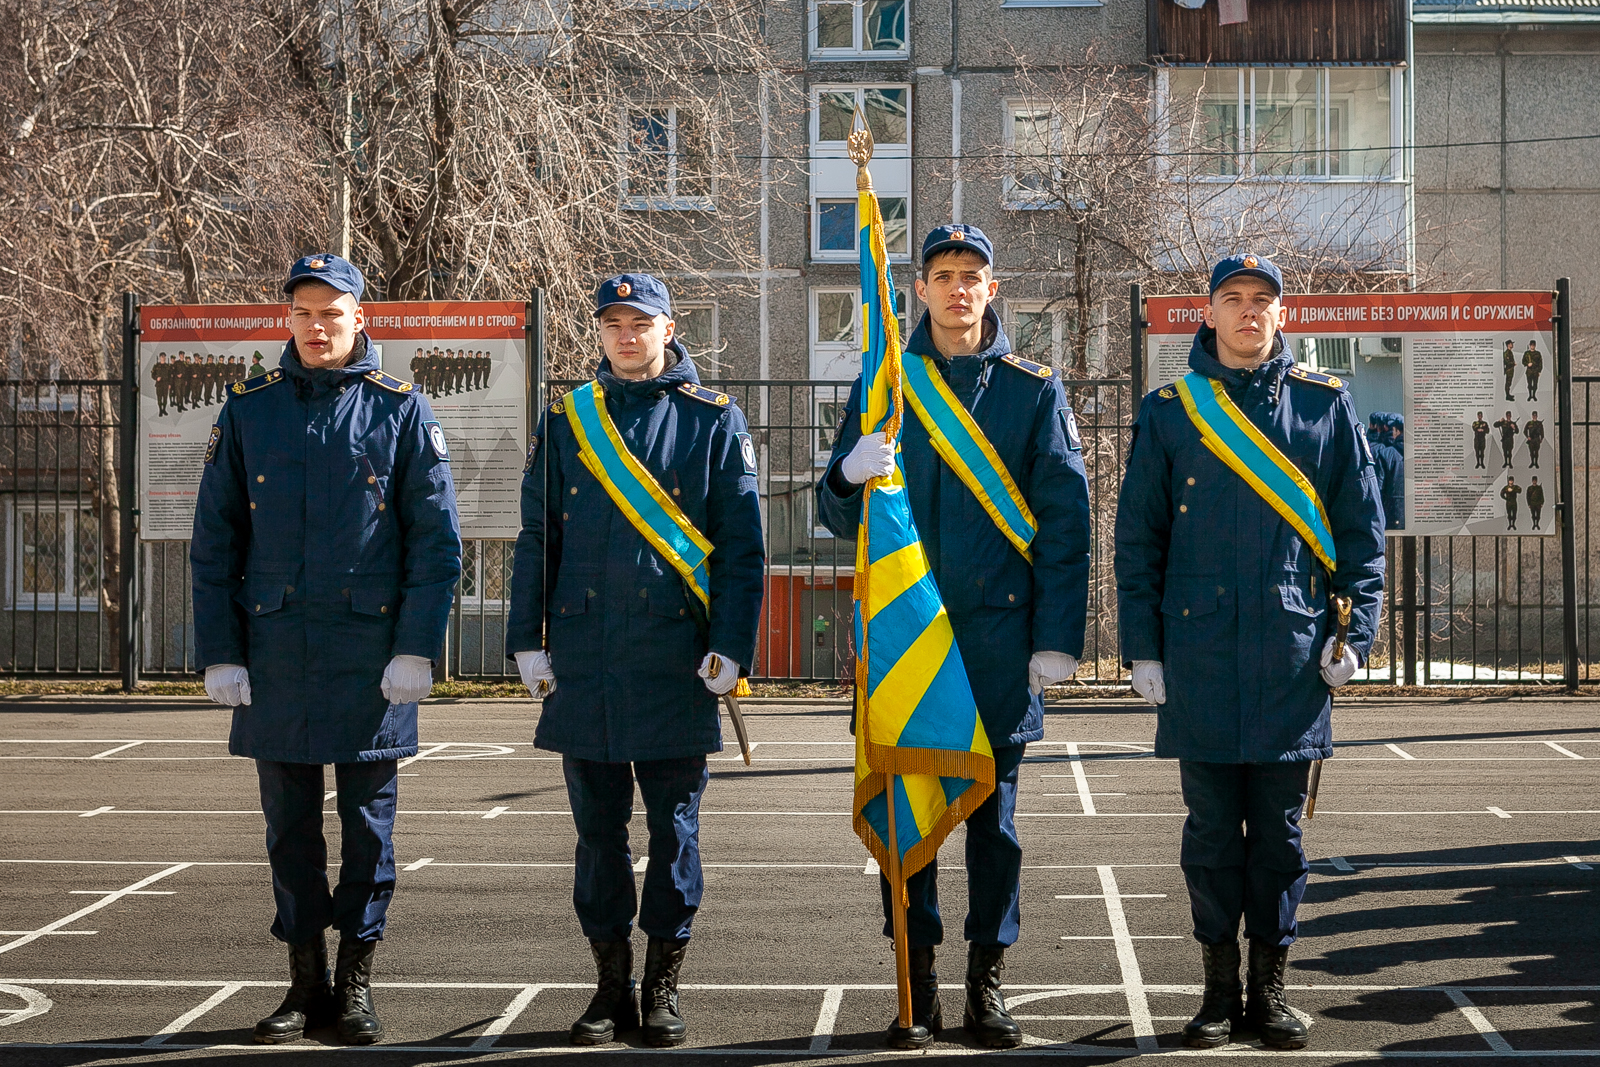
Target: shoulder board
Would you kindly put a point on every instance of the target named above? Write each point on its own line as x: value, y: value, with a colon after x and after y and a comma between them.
x: 260, y: 381
x: 389, y: 382
x: 704, y: 395
x: 1038, y: 370
x: 1165, y: 393
x: 1328, y: 380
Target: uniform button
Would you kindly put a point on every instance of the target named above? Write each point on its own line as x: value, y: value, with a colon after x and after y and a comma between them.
x: 683, y: 611
x: 382, y: 505
x: 563, y: 611
x: 385, y: 610
x: 252, y: 505
x: 574, y: 490
x: 1191, y: 481
x: 372, y: 479
x: 644, y: 592
x: 261, y: 477
x: 1186, y: 611
x: 344, y: 592
x: 258, y: 607
x: 1221, y: 590
x: 677, y: 492
x: 1012, y: 597
x: 288, y: 590
x: 565, y: 517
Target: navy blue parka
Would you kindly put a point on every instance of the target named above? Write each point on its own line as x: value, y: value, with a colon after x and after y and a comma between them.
x: 622, y: 639
x: 325, y: 543
x: 1001, y: 609
x: 1214, y: 584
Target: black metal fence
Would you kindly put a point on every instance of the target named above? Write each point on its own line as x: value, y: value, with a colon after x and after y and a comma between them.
x: 1480, y: 610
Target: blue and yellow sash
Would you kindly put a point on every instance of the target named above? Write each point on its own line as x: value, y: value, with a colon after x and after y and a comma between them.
x: 1237, y: 441
x: 636, y: 492
x: 961, y: 444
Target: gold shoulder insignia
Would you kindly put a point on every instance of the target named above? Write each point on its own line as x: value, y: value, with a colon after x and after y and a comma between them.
x: 1038, y: 370
x: 558, y: 408
x: 260, y: 381
x: 704, y: 395
x: 389, y: 382
x: 1328, y: 380
x: 1166, y: 392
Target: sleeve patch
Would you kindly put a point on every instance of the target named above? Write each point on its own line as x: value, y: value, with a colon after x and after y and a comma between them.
x: 436, y: 439
x: 211, y: 445
x: 533, y: 449
x: 1069, y: 423
x: 747, y: 450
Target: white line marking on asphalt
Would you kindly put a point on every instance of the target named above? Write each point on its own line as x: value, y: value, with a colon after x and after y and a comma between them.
x: 1144, y: 1031
x: 518, y: 1005
x: 119, y: 748
x: 1084, y: 796
x: 1499, y: 814
x: 329, y: 795
x: 1341, y: 864
x: 96, y: 811
x: 1576, y: 862
x: 423, y: 754
x: 177, y: 1025
x: 96, y: 906
x: 1478, y: 1020
x: 122, y: 892
x: 495, y: 812
x: 827, y: 1018
x: 1564, y: 751
x: 53, y: 933
x: 1398, y: 751
x: 642, y: 865
x: 872, y: 866
x: 418, y: 865
x: 34, y: 1004
x: 1101, y: 896
x: 1132, y: 937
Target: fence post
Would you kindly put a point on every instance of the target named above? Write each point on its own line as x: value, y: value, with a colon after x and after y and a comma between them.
x: 1408, y: 606
x: 1564, y: 511
x: 128, y: 491
x: 1136, y: 328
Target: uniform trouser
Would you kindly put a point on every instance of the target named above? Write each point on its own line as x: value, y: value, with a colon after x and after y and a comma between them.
x: 1241, y: 852
x: 1533, y: 385
x: 602, y: 803
x: 994, y: 871
x: 1511, y: 515
x: 1534, y: 513
x: 1479, y: 450
x: 1533, y: 455
x: 291, y: 797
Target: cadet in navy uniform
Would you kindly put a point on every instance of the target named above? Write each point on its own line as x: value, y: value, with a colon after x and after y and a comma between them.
x: 1019, y: 627
x: 641, y: 660
x: 1227, y: 619
x: 325, y: 554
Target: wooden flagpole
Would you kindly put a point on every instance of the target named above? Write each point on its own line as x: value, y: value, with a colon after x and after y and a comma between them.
x: 897, y: 898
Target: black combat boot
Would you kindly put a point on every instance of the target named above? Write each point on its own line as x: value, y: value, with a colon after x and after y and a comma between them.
x: 310, y: 998
x: 613, y: 1007
x: 1222, y: 1007
x: 985, y: 1016
x: 926, y: 1018
x: 658, y: 994
x: 352, y: 985
x: 1267, y: 1010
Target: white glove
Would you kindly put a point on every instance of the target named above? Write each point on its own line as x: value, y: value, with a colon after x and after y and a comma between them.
x: 537, y: 674
x: 1336, y: 674
x: 872, y: 457
x: 1150, y: 681
x: 228, y: 684
x: 727, y: 674
x: 407, y: 679
x: 1049, y: 668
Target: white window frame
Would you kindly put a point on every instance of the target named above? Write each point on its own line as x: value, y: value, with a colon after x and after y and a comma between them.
x: 715, y: 353
x: 833, y: 175
x: 1058, y: 326
x: 478, y: 600
x: 672, y: 201
x: 857, y: 35
x: 1052, y: 3
x: 64, y: 600
x: 1014, y: 196
x: 1246, y: 132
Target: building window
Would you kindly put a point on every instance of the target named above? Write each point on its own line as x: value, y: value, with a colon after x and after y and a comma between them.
x: 696, y: 328
x: 837, y: 316
x: 835, y: 227
x: 666, y: 161
x: 1033, y: 148
x: 56, y: 563
x: 1287, y: 122
x: 485, y: 572
x: 866, y: 29
x: 1035, y: 331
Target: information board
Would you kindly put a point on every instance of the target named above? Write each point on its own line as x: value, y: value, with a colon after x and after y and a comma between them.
x: 469, y: 358
x: 1473, y: 374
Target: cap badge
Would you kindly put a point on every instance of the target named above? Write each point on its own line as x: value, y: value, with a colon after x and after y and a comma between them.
x: 957, y: 235
x: 1251, y: 262
x: 317, y: 264
x: 624, y: 290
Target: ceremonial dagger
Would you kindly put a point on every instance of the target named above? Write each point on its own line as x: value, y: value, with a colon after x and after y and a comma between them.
x: 1341, y: 637
x: 731, y: 702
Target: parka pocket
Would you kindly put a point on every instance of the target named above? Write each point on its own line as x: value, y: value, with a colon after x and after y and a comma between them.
x: 261, y: 596
x: 669, y: 602
x: 570, y: 599
x: 1191, y: 598
x: 1296, y: 600
x: 998, y: 594
x: 374, y: 600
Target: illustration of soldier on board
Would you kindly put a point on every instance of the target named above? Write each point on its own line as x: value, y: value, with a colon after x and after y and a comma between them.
x: 189, y: 380
x: 445, y: 372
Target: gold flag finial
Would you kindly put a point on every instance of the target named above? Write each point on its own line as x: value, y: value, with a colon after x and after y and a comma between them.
x: 859, y: 145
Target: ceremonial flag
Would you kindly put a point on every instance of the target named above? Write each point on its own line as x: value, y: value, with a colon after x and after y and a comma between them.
x: 919, y: 739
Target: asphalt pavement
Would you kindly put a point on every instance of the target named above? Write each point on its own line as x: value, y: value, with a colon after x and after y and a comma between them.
x: 1451, y: 913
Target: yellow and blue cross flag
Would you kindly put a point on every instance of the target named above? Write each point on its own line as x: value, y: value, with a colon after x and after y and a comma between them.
x: 917, y: 724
